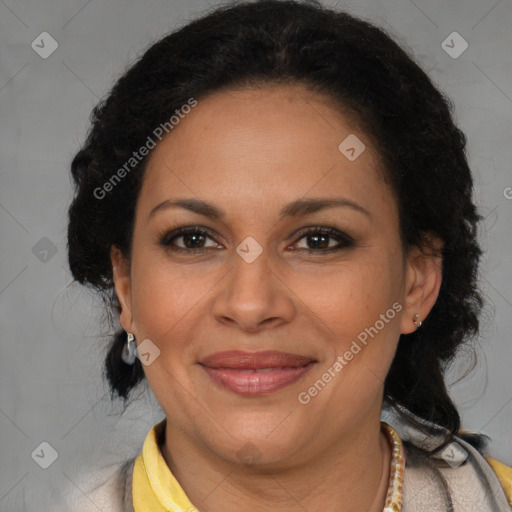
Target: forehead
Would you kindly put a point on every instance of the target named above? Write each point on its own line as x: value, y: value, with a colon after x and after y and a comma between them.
x: 258, y: 141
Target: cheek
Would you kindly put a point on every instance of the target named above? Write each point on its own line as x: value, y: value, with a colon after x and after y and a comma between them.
x: 357, y: 307
x: 166, y: 298
x: 349, y: 296
x: 166, y: 306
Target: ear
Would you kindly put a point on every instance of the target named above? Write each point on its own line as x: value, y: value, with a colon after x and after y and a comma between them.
x: 423, y: 281
x: 122, y: 283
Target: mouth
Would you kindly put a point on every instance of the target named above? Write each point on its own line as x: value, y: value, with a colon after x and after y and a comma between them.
x: 255, y: 373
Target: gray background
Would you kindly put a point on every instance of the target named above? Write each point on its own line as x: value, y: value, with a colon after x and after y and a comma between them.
x: 52, y: 344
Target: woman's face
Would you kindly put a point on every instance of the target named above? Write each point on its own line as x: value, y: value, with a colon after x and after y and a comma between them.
x: 263, y: 274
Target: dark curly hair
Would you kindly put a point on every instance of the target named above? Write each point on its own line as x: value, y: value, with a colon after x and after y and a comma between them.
x: 368, y: 75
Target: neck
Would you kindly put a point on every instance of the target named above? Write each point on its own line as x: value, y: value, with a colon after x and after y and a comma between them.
x: 350, y: 475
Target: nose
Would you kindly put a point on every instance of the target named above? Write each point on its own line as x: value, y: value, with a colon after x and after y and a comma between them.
x: 253, y: 297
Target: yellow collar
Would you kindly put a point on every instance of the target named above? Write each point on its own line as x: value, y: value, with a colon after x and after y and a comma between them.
x: 155, y: 489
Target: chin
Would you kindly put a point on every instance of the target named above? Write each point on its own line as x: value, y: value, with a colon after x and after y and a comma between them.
x: 258, y: 444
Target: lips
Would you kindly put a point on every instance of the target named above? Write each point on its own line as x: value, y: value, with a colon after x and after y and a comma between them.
x: 237, y: 359
x: 254, y: 373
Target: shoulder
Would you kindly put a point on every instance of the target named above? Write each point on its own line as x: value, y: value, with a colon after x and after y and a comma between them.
x: 457, y: 478
x: 504, y: 474
x: 107, y: 489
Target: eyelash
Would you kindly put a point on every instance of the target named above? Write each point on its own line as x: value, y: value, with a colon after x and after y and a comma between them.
x: 346, y: 241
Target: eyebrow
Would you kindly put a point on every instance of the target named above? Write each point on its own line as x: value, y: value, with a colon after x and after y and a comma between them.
x: 300, y: 207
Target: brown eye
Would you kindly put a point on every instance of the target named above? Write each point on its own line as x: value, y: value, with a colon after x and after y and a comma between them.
x: 325, y: 240
x: 190, y: 239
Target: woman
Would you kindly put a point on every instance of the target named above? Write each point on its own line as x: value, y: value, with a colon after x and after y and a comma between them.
x: 278, y: 204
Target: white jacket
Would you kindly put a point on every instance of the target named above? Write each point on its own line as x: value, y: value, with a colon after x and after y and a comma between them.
x: 431, y: 484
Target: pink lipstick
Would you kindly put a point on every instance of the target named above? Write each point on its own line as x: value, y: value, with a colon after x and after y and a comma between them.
x: 255, y: 373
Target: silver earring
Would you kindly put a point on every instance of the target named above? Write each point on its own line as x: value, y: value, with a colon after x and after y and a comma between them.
x: 416, y: 320
x: 128, y: 353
